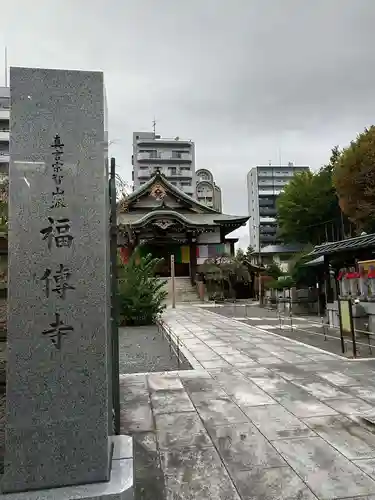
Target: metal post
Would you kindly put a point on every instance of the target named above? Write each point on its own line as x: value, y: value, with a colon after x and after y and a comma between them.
x: 114, y: 301
x: 318, y: 292
x: 173, y: 283
x: 291, y: 320
x: 353, y: 332
x: 324, y: 329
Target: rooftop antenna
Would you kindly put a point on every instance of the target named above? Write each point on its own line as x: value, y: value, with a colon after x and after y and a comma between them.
x: 6, y: 65
x: 154, y: 126
x: 280, y: 156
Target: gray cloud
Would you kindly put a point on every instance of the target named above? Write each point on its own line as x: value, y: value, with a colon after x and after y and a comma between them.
x: 246, y: 79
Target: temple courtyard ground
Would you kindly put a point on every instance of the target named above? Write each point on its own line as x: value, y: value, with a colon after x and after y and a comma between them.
x: 258, y: 416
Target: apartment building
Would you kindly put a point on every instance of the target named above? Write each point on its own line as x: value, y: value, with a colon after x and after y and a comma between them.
x: 4, y: 131
x: 264, y: 184
x: 207, y: 191
x: 174, y: 158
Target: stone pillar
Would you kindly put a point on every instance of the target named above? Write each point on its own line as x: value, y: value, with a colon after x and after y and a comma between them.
x: 58, y: 380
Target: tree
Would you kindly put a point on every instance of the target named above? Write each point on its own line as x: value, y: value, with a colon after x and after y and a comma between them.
x: 249, y: 252
x: 281, y: 283
x: 240, y: 255
x: 303, y: 275
x: 273, y: 270
x: 222, y: 274
x: 354, y: 180
x: 141, y: 294
x: 308, y: 209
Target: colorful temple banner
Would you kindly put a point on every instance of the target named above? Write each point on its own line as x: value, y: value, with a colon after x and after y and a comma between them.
x: 211, y: 251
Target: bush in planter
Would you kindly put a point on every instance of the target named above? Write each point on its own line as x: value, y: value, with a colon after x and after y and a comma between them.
x: 141, y: 294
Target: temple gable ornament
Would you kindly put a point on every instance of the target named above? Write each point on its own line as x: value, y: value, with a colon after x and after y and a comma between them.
x: 164, y: 223
x: 158, y: 192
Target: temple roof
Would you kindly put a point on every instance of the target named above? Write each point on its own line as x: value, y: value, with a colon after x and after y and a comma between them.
x: 192, y: 219
x: 348, y: 245
x: 159, y: 178
x: 179, y: 207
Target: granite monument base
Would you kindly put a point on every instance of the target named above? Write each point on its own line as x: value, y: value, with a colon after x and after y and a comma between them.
x: 119, y: 487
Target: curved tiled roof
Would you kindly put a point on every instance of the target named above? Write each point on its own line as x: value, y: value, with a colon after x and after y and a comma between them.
x: 158, y: 177
x: 209, y: 219
x: 351, y: 244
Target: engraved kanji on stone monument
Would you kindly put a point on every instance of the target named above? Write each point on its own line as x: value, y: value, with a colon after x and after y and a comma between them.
x: 61, y: 278
x: 57, y: 331
x: 58, y: 196
x: 58, y: 232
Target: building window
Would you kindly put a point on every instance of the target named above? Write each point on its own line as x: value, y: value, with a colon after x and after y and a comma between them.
x: 153, y: 153
x: 172, y: 170
x: 176, y: 154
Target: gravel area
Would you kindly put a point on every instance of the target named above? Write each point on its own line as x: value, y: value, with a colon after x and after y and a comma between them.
x: 143, y: 349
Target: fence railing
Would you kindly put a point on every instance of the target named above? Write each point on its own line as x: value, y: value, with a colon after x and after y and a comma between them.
x: 173, y: 340
x: 360, y: 345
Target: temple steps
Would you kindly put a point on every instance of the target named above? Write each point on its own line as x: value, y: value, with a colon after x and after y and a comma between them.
x: 184, y: 290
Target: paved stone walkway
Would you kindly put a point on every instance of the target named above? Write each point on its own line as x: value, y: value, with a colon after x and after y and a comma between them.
x: 307, y: 329
x: 259, y: 417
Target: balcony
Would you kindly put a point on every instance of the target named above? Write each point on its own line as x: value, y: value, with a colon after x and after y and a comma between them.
x: 267, y: 220
x: 177, y: 142
x: 267, y: 238
x: 4, y: 134
x: 165, y: 156
x: 267, y: 211
x: 187, y: 174
x: 267, y: 202
x: 4, y: 113
x: 178, y: 174
x: 270, y: 192
x: 144, y: 173
x: 4, y: 157
x: 270, y: 229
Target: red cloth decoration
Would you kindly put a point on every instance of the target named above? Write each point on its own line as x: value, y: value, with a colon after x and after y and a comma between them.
x: 340, y: 275
x: 351, y: 276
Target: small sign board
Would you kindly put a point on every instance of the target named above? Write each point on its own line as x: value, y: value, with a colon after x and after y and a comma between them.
x: 346, y: 323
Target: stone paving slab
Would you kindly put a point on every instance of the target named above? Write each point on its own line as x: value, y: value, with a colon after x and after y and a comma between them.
x: 256, y: 422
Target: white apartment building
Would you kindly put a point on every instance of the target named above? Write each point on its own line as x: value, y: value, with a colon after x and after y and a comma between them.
x: 4, y: 131
x: 208, y: 192
x: 175, y: 158
x: 264, y: 184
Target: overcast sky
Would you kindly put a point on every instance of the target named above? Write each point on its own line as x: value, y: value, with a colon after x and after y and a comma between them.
x: 248, y: 80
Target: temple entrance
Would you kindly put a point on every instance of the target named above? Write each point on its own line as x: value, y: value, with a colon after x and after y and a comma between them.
x: 164, y: 250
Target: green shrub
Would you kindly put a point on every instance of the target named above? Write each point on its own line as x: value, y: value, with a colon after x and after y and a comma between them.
x: 141, y: 294
x: 281, y: 283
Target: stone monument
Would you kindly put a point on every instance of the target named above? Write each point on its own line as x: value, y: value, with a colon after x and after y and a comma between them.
x: 59, y: 407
